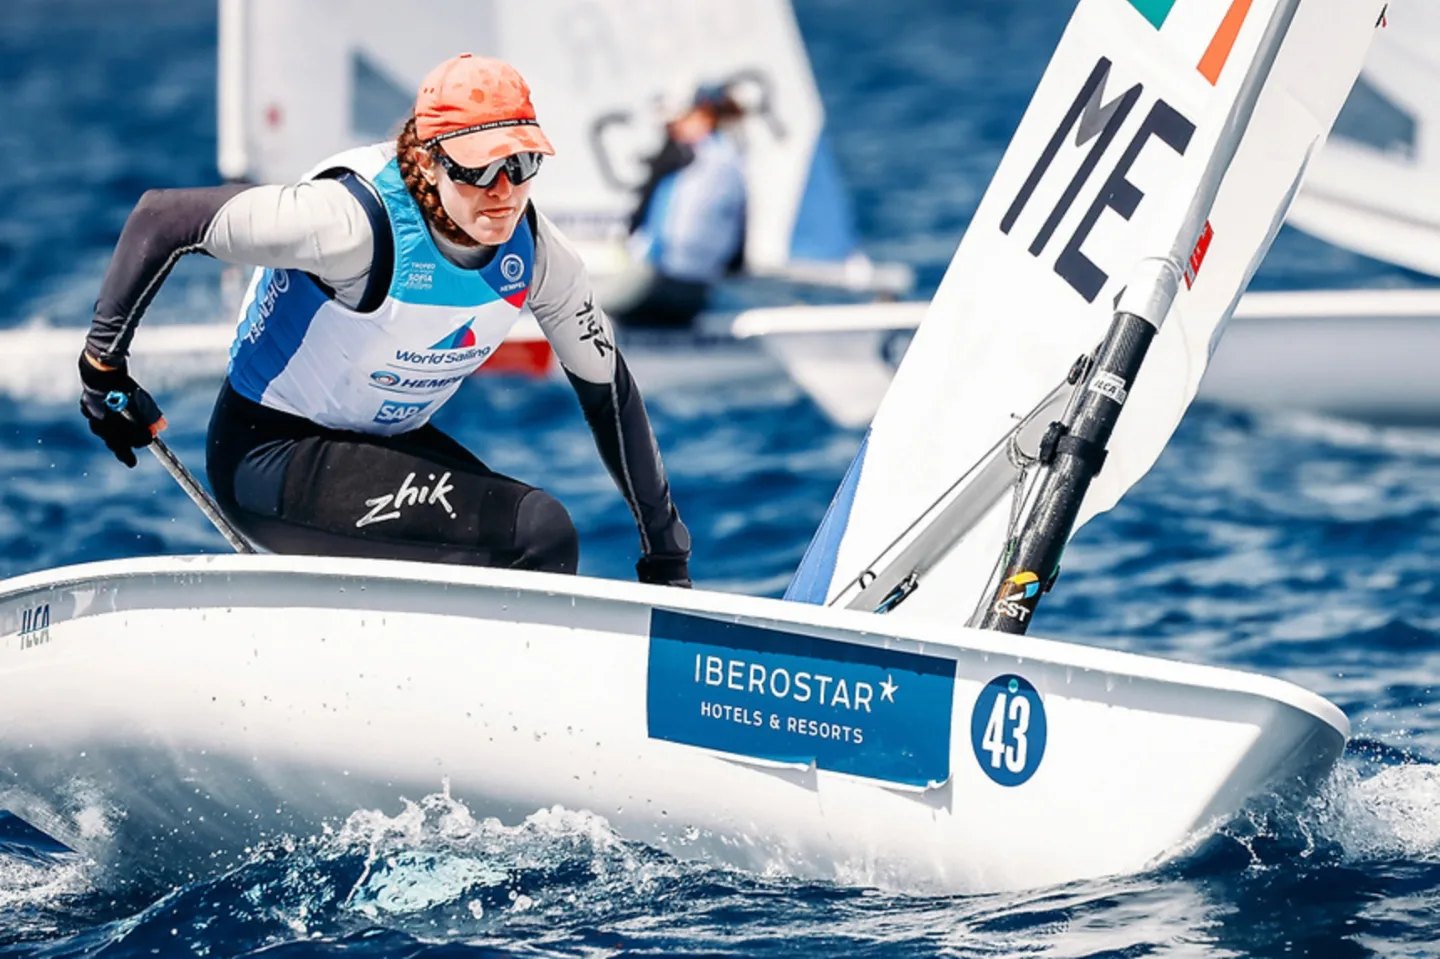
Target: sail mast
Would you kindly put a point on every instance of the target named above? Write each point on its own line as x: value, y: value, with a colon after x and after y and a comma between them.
x: 233, y: 153
x: 1075, y: 448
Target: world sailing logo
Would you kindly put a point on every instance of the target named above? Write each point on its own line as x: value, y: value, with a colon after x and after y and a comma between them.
x: 458, y: 347
x: 459, y: 340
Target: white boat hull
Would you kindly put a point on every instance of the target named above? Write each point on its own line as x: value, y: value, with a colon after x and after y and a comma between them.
x: 165, y: 712
x: 1363, y: 354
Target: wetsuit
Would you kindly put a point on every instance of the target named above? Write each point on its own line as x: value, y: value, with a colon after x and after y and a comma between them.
x: 361, y: 324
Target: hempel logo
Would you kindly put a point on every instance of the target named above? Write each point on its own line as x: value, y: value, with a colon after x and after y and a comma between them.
x: 512, y: 267
x: 393, y: 382
x: 265, y: 304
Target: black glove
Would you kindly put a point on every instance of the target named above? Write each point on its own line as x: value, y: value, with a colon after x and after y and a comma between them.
x: 124, y: 432
x: 664, y: 569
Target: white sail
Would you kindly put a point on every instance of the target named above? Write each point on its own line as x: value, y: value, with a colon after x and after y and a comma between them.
x: 1375, y: 188
x: 1110, y: 153
x: 300, y: 81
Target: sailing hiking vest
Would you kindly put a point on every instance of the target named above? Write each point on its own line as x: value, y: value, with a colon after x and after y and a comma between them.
x: 387, y: 366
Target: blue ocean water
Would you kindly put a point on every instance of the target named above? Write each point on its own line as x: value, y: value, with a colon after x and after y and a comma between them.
x: 1296, y: 546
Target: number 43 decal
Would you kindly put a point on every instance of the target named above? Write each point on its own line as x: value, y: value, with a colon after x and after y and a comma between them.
x: 1007, y: 730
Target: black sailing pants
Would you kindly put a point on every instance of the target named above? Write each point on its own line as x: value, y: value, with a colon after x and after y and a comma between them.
x: 292, y: 486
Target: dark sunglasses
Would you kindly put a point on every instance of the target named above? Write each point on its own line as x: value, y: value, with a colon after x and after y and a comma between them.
x: 517, y: 167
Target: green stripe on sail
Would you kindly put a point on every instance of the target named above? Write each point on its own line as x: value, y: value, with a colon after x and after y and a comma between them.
x: 1154, y: 10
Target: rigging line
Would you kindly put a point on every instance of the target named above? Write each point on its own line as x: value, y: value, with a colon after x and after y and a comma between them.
x: 868, y: 570
x: 1021, y: 497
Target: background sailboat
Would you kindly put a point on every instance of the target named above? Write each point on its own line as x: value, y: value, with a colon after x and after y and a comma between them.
x: 1375, y: 188
x: 301, y: 81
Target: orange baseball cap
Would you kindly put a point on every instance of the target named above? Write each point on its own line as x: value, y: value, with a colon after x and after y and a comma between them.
x: 479, y: 107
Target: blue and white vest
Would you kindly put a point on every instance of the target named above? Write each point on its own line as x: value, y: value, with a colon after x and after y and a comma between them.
x: 388, y: 370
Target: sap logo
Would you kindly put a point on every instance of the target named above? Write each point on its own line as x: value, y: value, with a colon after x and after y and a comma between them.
x: 385, y: 378
x: 398, y: 412
x: 406, y: 496
x: 1094, y: 121
x: 512, y: 267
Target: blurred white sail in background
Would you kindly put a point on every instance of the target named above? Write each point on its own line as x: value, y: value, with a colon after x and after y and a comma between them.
x: 1375, y: 188
x: 300, y: 81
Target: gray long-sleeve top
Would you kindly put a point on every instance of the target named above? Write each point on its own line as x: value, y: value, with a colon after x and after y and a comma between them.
x: 320, y: 227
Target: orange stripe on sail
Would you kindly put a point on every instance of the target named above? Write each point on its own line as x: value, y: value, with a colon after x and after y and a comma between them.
x: 1223, y: 42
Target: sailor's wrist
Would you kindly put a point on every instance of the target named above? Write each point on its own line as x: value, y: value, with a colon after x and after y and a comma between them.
x: 98, y: 363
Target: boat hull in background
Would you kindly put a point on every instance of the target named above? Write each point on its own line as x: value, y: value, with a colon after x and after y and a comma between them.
x: 1362, y: 354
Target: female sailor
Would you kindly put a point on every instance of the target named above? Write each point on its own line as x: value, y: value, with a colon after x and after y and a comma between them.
x: 385, y: 278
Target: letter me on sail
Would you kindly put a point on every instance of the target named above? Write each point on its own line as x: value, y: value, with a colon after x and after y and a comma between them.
x: 1146, y: 106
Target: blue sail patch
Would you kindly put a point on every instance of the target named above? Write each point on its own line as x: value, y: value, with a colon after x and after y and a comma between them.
x: 879, y: 713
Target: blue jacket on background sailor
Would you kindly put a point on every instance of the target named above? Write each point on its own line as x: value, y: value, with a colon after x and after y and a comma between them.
x: 688, y: 230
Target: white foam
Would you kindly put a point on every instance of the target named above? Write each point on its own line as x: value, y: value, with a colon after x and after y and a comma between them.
x: 1394, y: 814
x: 435, y: 854
x: 37, y: 888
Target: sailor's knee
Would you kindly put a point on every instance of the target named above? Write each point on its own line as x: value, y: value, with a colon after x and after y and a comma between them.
x: 545, y: 534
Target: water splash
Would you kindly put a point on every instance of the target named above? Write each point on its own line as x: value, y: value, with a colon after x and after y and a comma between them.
x: 1394, y: 814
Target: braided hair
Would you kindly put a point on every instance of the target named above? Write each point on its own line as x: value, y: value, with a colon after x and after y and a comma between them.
x: 425, y: 194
